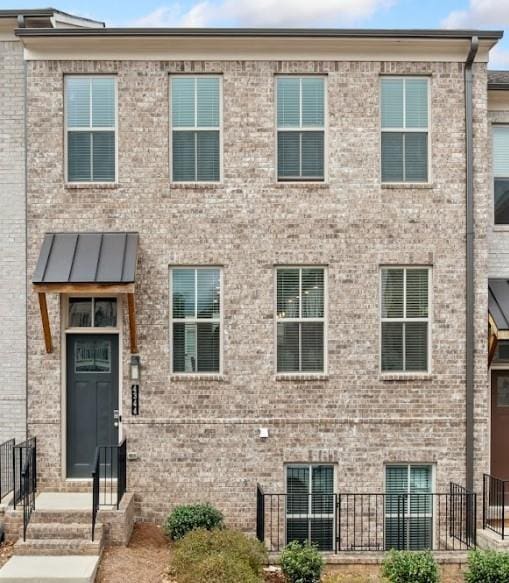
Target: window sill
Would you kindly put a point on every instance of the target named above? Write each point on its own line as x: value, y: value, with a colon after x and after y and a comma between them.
x: 91, y: 185
x: 302, y: 377
x: 407, y: 185
x: 407, y: 376
x: 321, y: 185
x: 197, y: 377
x: 195, y: 185
x: 500, y: 228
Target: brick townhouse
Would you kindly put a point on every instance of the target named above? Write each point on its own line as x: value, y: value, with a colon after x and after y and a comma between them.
x: 262, y: 266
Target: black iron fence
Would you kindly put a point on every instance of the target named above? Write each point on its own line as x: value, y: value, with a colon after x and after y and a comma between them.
x: 6, y: 468
x: 369, y: 522
x: 495, y: 499
x: 24, y: 464
x: 109, y: 478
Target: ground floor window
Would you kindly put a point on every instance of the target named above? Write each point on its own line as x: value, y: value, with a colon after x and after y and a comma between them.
x: 310, y: 505
x: 409, y: 507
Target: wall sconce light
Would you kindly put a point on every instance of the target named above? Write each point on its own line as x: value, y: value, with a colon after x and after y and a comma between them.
x: 135, y: 368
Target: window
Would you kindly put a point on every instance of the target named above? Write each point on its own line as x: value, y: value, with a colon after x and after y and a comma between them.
x: 300, y: 128
x: 300, y: 319
x: 90, y: 114
x: 405, y: 319
x: 501, y: 173
x: 196, y: 319
x: 409, y: 507
x: 404, y: 112
x: 310, y: 505
x: 92, y: 312
x: 196, y: 122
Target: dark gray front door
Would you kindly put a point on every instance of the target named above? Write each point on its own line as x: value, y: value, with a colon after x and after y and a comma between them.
x: 92, y: 398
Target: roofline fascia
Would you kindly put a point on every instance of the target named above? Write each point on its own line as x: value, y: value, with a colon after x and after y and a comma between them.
x: 498, y: 86
x: 44, y: 12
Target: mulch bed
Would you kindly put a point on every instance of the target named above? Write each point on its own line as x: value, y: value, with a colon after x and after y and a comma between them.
x: 5, y: 552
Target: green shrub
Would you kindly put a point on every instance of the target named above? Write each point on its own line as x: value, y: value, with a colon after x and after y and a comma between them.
x: 186, y: 518
x: 204, y: 556
x: 410, y: 567
x: 301, y: 563
x: 487, y: 567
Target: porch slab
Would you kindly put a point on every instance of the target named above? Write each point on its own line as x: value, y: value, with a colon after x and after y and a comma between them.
x: 57, y: 501
x: 44, y: 569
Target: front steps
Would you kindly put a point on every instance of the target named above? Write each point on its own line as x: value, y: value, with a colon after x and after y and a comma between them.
x: 48, y: 569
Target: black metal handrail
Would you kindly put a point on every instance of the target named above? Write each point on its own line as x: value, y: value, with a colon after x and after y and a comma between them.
x: 24, y: 464
x: 494, y: 500
x: 6, y: 468
x: 368, y: 521
x: 109, y: 478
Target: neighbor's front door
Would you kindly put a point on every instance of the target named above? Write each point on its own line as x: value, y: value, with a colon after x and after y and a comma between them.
x: 500, y: 424
x: 92, y: 398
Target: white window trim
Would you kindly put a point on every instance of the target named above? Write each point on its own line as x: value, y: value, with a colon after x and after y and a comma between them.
x: 310, y: 516
x: 324, y: 129
x: 299, y: 320
x: 406, y: 130
x: 196, y: 128
x: 403, y: 372
x: 494, y: 176
x: 219, y: 320
x: 91, y: 128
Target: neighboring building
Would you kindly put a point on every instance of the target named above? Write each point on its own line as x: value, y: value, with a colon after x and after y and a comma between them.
x: 278, y: 227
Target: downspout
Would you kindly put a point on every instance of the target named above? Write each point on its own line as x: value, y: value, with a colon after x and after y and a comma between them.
x: 470, y: 300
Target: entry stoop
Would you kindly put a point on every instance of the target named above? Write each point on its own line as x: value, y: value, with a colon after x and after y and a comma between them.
x: 49, y: 569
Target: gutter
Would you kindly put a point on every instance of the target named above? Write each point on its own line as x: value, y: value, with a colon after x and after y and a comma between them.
x: 470, y: 300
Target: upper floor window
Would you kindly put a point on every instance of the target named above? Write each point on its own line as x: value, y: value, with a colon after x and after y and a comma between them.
x: 501, y: 173
x: 405, y: 319
x: 196, y: 319
x: 404, y: 124
x: 90, y: 120
x: 300, y: 128
x: 196, y: 128
x: 300, y: 319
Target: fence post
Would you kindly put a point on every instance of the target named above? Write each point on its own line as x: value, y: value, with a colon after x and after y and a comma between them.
x: 14, y: 476
x: 260, y: 514
x: 503, y: 510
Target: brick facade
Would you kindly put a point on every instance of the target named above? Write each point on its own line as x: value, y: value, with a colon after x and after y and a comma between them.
x: 197, y: 439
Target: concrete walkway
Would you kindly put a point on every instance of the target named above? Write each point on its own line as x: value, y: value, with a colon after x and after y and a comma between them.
x: 42, y: 569
x: 57, y: 501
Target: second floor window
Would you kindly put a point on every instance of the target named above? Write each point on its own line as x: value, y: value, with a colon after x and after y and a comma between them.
x: 501, y: 173
x: 90, y: 116
x: 196, y: 122
x: 300, y: 320
x: 300, y: 128
x: 196, y: 320
x: 404, y: 123
x: 405, y: 319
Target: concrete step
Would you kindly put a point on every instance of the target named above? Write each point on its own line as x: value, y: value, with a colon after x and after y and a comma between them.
x: 53, y: 530
x: 57, y: 546
x: 40, y: 516
x: 41, y: 569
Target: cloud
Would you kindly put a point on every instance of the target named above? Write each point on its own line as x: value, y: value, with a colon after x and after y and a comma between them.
x: 499, y: 58
x: 265, y: 13
x: 479, y: 13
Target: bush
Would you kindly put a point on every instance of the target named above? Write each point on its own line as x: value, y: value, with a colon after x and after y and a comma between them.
x: 186, y: 518
x: 204, y: 556
x: 410, y: 567
x: 487, y: 567
x: 301, y: 563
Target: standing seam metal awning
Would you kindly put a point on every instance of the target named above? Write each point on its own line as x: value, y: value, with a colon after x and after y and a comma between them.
x: 92, y: 263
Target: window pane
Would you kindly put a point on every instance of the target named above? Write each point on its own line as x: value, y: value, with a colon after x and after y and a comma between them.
x: 312, y: 293
x: 297, y: 488
x: 183, y: 292
x: 288, y: 102
x: 420, y: 479
x: 207, y: 89
x: 297, y: 529
x: 392, y: 293
x: 288, y: 154
x: 313, y: 102
x: 322, y: 487
x: 103, y: 102
x: 396, y: 483
x: 92, y: 356
x: 287, y: 347
x: 417, y: 293
x: 288, y: 293
x: 184, y: 162
x: 312, y: 346
x: 78, y: 156
x: 392, y: 157
x: 501, y: 151
x: 208, y: 293
x: 322, y: 530
x: 416, y: 346
x: 501, y: 201
x: 208, y: 156
x: 416, y: 101
x: 80, y: 312
x: 103, y: 144
x: 78, y: 102
x: 392, y: 103
x: 420, y: 530
x: 105, y: 312
x: 392, y: 346
x: 208, y: 347
x: 416, y: 157
x: 312, y: 154
x: 182, y: 101
x: 196, y: 347
x: 396, y: 529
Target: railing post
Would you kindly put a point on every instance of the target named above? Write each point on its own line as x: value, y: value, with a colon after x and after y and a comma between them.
x: 503, y: 510
x: 14, y: 476
x: 260, y: 514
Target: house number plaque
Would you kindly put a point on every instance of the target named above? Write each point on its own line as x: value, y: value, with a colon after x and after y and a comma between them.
x: 135, y: 399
